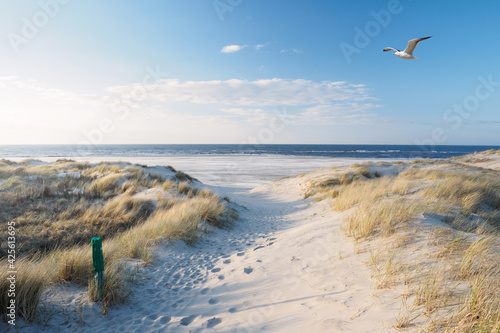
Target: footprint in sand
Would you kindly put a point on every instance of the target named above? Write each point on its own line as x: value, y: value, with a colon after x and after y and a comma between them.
x: 232, y: 310
x: 228, y: 261
x: 153, y: 317
x: 215, y: 270
x: 163, y: 320
x: 248, y: 270
x: 177, y: 303
x: 241, y: 254
x: 212, y: 322
x: 221, y: 277
x: 188, y: 320
x: 333, y: 324
x: 204, y: 291
x: 259, y: 247
x: 212, y: 301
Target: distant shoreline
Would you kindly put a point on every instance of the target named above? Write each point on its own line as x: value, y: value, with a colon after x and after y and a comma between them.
x: 330, y: 151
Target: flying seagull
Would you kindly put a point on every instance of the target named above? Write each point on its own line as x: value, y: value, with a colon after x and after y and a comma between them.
x: 408, y: 52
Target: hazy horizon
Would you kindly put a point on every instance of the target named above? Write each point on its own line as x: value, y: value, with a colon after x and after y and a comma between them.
x: 244, y: 144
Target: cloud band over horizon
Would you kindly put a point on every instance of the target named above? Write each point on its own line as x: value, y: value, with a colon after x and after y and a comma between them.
x: 232, y: 103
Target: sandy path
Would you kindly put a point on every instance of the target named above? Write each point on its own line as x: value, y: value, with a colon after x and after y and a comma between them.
x: 285, y: 267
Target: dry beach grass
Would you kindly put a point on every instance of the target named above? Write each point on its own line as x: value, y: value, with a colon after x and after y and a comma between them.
x: 433, y: 232
x: 57, y: 208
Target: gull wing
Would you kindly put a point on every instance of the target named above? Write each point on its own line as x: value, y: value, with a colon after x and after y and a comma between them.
x: 389, y: 49
x: 412, y: 44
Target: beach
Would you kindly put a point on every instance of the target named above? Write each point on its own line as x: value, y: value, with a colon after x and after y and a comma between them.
x: 249, y: 166
x: 286, y: 265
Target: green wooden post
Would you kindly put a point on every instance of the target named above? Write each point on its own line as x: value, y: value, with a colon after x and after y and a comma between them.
x: 98, y: 261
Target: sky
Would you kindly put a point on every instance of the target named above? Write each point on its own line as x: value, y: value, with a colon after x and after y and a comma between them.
x: 249, y: 71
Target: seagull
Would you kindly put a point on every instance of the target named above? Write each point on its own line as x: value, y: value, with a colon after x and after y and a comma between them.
x: 408, y: 52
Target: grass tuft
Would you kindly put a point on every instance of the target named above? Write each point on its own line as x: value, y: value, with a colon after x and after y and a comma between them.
x: 30, y: 282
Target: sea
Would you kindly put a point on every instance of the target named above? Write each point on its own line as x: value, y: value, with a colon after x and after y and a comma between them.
x: 159, y: 150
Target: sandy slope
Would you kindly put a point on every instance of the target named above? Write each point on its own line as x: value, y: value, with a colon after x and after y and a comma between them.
x: 285, y: 267
x: 482, y: 159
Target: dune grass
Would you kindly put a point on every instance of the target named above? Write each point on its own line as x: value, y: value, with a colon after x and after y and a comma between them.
x: 115, y: 289
x: 30, y: 282
x: 382, y: 217
x: 477, y: 194
x: 58, y: 214
x: 480, y: 308
x: 104, y: 187
x: 326, y: 187
x: 481, y: 157
x: 50, y: 224
x: 361, y: 190
x: 456, y: 284
x: 61, y: 204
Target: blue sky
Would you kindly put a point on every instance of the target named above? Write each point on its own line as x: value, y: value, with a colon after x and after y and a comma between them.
x: 248, y: 71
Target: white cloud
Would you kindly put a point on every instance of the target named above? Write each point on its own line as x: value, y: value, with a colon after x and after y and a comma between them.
x: 317, y: 97
x: 294, y: 50
x: 268, y: 92
x: 243, y: 112
x: 254, y: 116
x: 260, y: 46
x: 59, y: 96
x: 222, y: 109
x: 340, y: 113
x: 232, y: 48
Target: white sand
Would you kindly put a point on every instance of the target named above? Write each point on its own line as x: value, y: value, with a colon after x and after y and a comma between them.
x: 285, y: 267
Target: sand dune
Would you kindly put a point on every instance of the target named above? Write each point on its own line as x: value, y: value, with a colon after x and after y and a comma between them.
x: 286, y: 266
